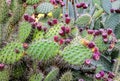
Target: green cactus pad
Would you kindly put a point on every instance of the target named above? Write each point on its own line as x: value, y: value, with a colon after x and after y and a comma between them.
x: 100, y: 44
x: 18, y: 70
x: 87, y: 36
x: 44, y: 8
x: 3, y: 11
x: 4, y: 75
x: 8, y: 54
x: 43, y: 49
x: 83, y: 20
x: 38, y: 35
x: 29, y: 10
x: 18, y: 11
x: 24, y: 31
x: 32, y: 1
x: 52, y: 75
x: 36, y: 77
x: 76, y: 54
x: 67, y: 77
x: 56, y: 12
x: 53, y: 31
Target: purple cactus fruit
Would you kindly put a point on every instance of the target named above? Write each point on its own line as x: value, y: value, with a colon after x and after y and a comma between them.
x: 50, y: 23
x: 104, y: 35
x: 111, y: 75
x: 90, y: 31
x: 31, y: 19
x: 96, y: 57
x: 62, y: 4
x: 61, y: 41
x: 34, y: 24
x: 81, y: 29
x: 91, y: 45
x: 55, y: 21
x: 26, y: 17
x: 96, y: 50
x: 101, y: 31
x: 2, y: 66
x: 87, y: 61
x: 67, y: 30
x: 63, y: 28
x: 112, y: 10
x: 56, y: 38
x: 117, y: 10
x: 66, y: 15
x: 67, y: 40
x: 105, y: 40
x: 61, y: 33
x: 102, y: 73
x: 67, y: 20
x: 39, y: 27
x: 81, y: 80
x: 17, y: 51
x: 82, y: 4
x: 96, y: 32
x: 98, y: 76
x: 109, y: 31
x: 45, y: 29
x: 25, y: 45
x: 78, y: 5
x: 85, y: 6
x: 35, y: 6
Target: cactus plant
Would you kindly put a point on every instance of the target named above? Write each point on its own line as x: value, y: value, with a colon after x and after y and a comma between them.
x: 56, y: 12
x: 67, y: 76
x: 12, y: 53
x: 29, y: 10
x: 59, y: 40
x: 36, y: 77
x: 43, y: 49
x: 17, y: 13
x: 44, y: 8
x: 31, y: 2
x: 71, y: 53
x: 24, y: 31
x: 4, y: 11
x: 53, y: 31
x: 83, y: 20
x: 5, y: 75
x: 52, y: 75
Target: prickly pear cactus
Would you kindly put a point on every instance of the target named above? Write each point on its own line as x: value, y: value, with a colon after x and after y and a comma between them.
x: 83, y: 20
x: 56, y: 13
x: 53, y: 31
x: 76, y: 54
x: 4, y: 75
x: 38, y: 35
x: 3, y: 11
x: 67, y: 77
x: 24, y: 31
x: 11, y: 53
x: 100, y: 43
x: 29, y: 10
x: 18, y: 70
x: 43, y: 49
x: 32, y: 1
x: 17, y: 13
x: 36, y: 77
x: 52, y: 75
x: 44, y: 8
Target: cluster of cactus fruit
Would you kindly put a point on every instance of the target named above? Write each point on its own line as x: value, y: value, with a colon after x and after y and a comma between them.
x: 59, y: 40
